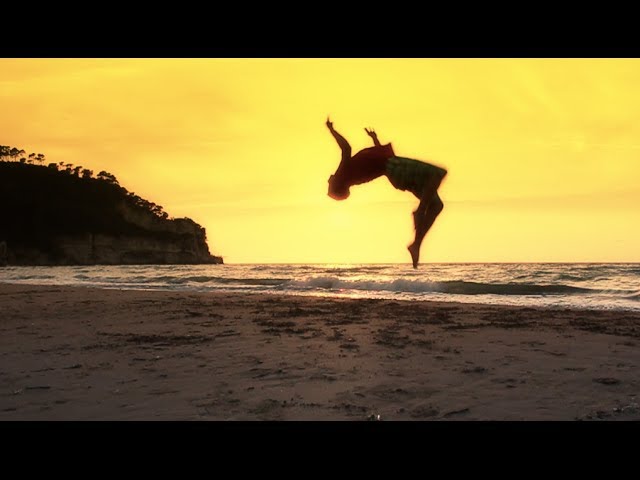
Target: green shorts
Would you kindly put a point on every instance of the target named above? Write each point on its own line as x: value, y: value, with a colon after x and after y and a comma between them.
x: 412, y: 175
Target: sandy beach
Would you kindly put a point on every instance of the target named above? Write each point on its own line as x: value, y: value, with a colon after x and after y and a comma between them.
x: 74, y: 353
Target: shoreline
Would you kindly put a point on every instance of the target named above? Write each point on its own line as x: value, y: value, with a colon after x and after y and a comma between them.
x: 302, y: 294
x: 329, y: 296
x: 87, y: 353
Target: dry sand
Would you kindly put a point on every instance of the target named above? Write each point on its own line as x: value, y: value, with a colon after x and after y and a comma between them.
x: 72, y: 353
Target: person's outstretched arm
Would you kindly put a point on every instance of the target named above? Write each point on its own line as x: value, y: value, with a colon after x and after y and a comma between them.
x: 373, y: 135
x: 342, y: 142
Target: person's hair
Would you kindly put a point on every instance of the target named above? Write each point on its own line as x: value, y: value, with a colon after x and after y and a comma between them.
x: 337, y: 189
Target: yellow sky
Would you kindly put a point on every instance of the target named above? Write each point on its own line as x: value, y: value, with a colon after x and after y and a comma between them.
x: 543, y: 154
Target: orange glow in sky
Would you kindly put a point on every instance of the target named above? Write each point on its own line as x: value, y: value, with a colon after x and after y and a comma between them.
x: 542, y: 154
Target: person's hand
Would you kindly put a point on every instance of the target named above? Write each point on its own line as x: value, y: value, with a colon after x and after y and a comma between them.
x: 371, y: 132
x: 329, y: 124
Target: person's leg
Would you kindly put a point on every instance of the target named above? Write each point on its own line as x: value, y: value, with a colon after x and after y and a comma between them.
x: 429, y: 191
x: 422, y: 225
x: 423, y: 180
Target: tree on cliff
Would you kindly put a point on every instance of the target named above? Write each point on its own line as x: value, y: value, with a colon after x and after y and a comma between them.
x: 12, y: 154
x: 108, y: 177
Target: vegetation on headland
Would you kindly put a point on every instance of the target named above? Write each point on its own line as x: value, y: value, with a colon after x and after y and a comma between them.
x: 42, y: 202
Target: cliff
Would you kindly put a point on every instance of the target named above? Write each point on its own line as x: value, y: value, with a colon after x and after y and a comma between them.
x: 55, y: 216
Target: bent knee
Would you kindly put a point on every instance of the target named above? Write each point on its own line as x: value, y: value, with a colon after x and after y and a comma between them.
x: 436, y: 205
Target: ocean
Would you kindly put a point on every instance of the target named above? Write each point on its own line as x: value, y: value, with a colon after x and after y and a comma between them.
x: 610, y: 286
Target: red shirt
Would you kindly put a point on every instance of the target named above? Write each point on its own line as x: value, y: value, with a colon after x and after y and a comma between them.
x: 364, y: 166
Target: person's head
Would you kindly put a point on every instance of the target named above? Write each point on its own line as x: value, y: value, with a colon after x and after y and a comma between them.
x: 337, y: 189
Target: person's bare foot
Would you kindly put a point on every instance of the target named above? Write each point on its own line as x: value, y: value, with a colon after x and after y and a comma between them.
x: 415, y: 254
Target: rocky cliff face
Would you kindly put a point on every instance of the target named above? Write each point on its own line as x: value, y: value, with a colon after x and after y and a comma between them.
x: 56, y: 218
x: 99, y: 249
x: 159, y: 241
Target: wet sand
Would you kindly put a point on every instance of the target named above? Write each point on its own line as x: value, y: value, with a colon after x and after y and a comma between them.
x: 73, y: 353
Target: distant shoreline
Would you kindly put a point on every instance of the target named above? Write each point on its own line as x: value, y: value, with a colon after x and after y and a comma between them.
x: 215, y: 261
x: 338, y: 298
x: 578, y: 287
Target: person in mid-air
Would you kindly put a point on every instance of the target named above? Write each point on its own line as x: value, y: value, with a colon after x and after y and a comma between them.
x: 420, y: 178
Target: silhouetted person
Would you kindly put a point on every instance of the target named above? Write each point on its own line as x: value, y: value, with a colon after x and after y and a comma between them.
x: 420, y: 178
